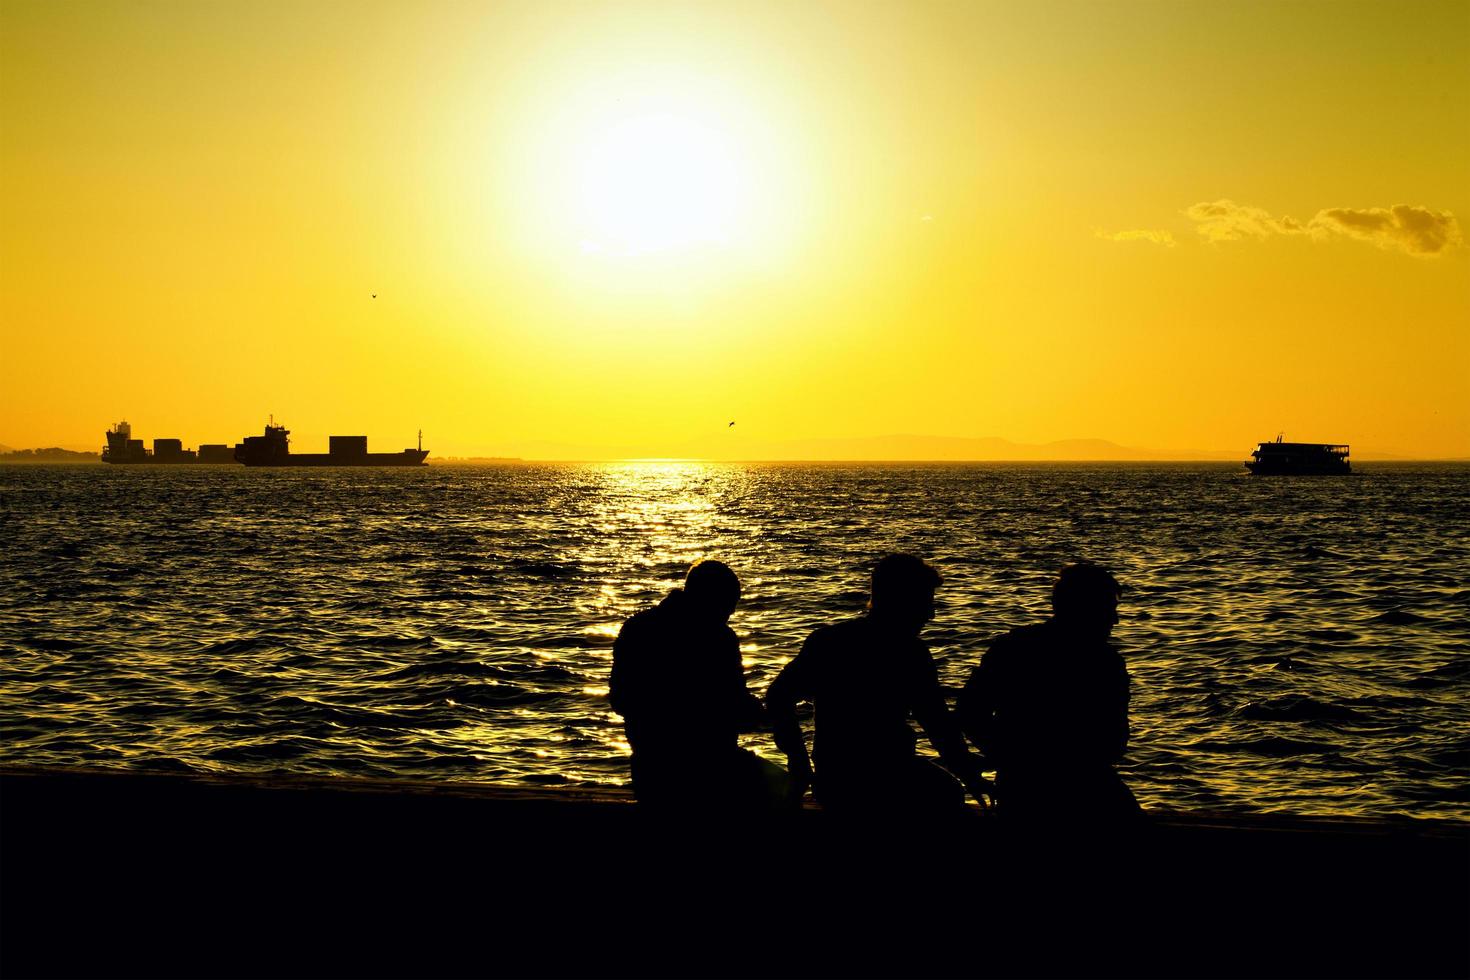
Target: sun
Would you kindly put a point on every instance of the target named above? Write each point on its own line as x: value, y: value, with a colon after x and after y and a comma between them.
x: 651, y: 179
x: 658, y: 181
x: 655, y: 163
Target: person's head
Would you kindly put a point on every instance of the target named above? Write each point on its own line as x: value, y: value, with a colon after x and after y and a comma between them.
x: 1084, y: 597
x: 712, y: 588
x: 903, y: 590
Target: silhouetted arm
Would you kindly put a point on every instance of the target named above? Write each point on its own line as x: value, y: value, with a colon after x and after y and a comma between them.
x: 747, y: 713
x: 976, y: 708
x: 791, y: 687
x: 929, y: 709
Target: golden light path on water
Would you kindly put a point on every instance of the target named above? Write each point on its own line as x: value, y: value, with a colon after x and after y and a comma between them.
x: 669, y: 506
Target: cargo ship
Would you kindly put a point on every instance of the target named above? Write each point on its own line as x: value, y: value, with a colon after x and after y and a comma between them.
x: 123, y: 448
x: 1281, y: 458
x: 273, y: 448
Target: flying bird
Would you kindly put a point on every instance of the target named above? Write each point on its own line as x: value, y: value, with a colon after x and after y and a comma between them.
x: 375, y: 295
x: 728, y: 426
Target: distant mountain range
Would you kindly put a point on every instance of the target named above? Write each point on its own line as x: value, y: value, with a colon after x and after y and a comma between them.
x: 986, y: 448
x: 904, y: 447
x: 69, y: 447
x: 51, y: 454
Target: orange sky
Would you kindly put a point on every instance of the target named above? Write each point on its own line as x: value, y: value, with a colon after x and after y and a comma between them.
x: 611, y: 229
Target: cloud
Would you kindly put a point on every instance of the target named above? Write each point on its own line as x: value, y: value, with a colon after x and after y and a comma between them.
x: 1417, y: 231
x: 1226, y: 221
x: 1156, y: 236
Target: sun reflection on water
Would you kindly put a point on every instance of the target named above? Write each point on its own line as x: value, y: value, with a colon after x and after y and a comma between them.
x: 654, y: 518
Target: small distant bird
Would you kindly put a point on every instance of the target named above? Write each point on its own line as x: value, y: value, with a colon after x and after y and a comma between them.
x: 728, y: 426
x: 375, y: 295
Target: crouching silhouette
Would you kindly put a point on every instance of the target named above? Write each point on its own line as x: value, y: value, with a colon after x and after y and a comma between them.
x: 1048, y: 705
x: 678, y: 682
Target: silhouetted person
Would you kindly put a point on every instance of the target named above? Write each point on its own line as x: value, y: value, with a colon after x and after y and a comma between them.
x: 678, y: 682
x: 1048, y: 705
x: 866, y: 678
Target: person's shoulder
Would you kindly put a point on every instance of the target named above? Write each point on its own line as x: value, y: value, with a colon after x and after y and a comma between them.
x: 836, y: 631
x: 856, y: 626
x: 1015, y: 643
x: 832, y: 635
x: 641, y: 622
x: 643, y: 617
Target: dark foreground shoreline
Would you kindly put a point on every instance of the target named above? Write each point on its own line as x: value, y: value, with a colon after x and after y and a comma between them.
x: 106, y: 873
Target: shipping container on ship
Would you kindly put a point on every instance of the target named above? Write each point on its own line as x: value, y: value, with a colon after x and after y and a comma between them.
x: 123, y: 448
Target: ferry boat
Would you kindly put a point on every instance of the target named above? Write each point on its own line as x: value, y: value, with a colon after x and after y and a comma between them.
x: 273, y: 448
x: 1282, y: 458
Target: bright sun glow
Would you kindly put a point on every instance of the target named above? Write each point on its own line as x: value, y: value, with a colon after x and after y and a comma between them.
x: 660, y: 162
x: 656, y: 182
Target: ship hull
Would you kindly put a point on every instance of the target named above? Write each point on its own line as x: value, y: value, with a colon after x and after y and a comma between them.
x: 167, y: 462
x: 1265, y: 468
x: 409, y: 457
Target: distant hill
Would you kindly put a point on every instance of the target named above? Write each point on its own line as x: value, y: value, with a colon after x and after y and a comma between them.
x: 53, y: 454
x: 5, y: 449
x: 461, y: 460
x: 986, y: 448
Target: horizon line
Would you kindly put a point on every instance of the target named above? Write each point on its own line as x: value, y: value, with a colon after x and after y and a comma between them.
x: 512, y: 460
x: 860, y: 459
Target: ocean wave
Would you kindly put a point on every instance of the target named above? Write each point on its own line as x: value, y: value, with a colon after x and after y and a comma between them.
x: 546, y: 569
x: 381, y: 641
x: 1456, y: 672
x: 1272, y: 746
x: 243, y: 645
x: 278, y: 750
x: 1399, y: 617
x: 1333, y: 635
x: 48, y: 644
x: 496, y: 695
x: 1297, y: 707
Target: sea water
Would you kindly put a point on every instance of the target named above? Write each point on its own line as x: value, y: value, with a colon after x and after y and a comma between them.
x: 1295, y: 644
